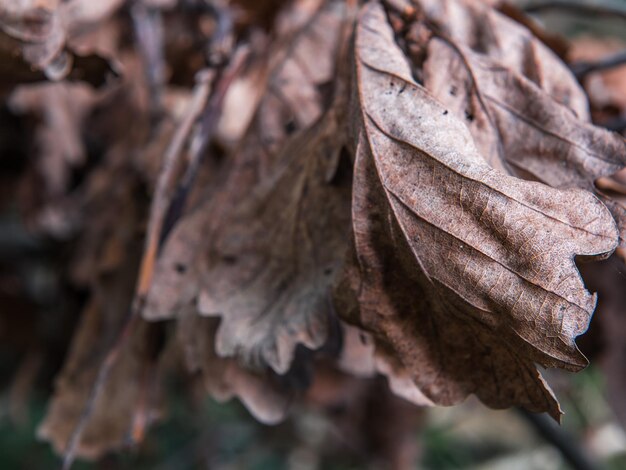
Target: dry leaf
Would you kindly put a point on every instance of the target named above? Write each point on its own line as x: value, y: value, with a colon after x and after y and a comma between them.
x: 527, y: 114
x: 110, y: 423
x: 516, y: 124
x: 293, y: 101
x: 359, y: 358
x: 224, y: 378
x: 33, y: 41
x: 271, y: 265
x: 276, y: 231
x: 479, y: 27
x: 463, y: 274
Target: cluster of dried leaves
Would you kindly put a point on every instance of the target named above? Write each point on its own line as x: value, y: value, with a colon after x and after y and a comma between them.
x: 278, y: 193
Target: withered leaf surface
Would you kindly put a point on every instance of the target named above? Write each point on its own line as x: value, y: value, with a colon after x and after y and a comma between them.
x: 293, y: 100
x: 271, y: 265
x: 479, y: 27
x: 111, y: 420
x: 360, y: 358
x: 527, y: 114
x: 225, y: 378
x: 516, y: 124
x: 274, y: 236
x: 464, y: 274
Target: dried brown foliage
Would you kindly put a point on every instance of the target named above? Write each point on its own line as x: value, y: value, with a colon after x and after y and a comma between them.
x: 322, y: 189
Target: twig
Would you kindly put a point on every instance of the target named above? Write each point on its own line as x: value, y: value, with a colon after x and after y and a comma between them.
x: 222, y: 39
x: 617, y: 124
x: 165, y: 211
x: 571, y: 451
x: 103, y: 373
x: 206, y: 132
x: 148, y: 24
x: 581, y: 69
x: 577, y: 8
x: 153, y: 240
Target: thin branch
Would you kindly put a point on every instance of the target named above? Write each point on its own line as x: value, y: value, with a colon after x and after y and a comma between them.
x: 617, y: 124
x: 148, y: 25
x: 204, y: 136
x: 582, y: 69
x: 154, y: 239
x: 570, y: 449
x: 103, y: 374
x: 605, y: 11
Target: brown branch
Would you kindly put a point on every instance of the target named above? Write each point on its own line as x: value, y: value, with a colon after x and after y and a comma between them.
x: 582, y: 69
x: 200, y: 143
x: 101, y: 378
x: 572, y: 451
x: 148, y: 26
x: 159, y: 208
x: 604, y: 11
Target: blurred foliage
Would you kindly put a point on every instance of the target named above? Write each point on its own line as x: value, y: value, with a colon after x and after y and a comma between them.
x: 224, y: 436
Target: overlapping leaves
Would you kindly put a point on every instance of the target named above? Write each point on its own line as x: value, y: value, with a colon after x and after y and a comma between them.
x: 422, y: 170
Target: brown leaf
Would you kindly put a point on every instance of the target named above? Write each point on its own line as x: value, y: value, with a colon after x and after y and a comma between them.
x: 110, y: 423
x: 293, y: 101
x: 34, y: 36
x: 482, y: 29
x: 225, y: 378
x: 271, y: 264
x: 360, y: 358
x: 274, y: 235
x: 462, y: 273
x: 527, y: 114
x: 516, y: 124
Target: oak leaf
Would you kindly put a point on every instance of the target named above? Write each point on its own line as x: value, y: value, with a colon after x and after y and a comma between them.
x: 274, y: 235
x: 224, y: 378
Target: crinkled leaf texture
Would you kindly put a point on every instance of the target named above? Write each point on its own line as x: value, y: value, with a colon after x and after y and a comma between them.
x: 480, y: 28
x: 519, y: 127
x: 272, y: 265
x: 525, y: 109
x: 273, y: 237
x: 224, y: 378
x: 463, y: 274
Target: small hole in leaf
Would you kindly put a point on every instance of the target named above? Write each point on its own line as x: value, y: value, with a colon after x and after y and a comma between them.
x: 229, y: 259
x: 290, y: 127
x: 180, y: 268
